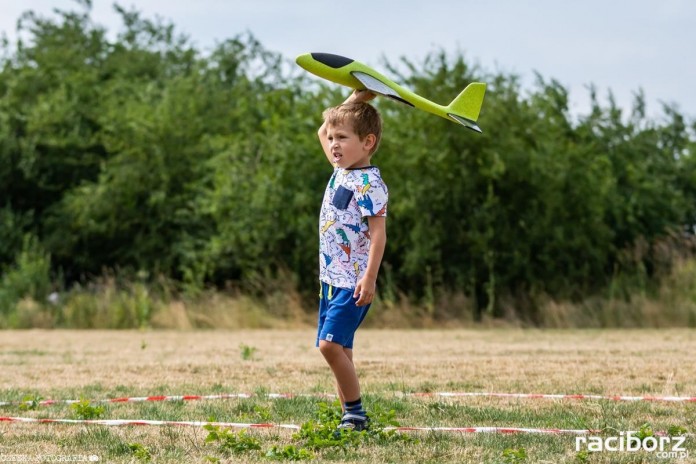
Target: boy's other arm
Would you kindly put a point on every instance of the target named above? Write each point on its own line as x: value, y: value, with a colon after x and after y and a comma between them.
x: 367, y: 285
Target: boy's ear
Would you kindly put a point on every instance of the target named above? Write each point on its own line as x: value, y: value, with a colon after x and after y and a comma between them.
x: 369, y: 142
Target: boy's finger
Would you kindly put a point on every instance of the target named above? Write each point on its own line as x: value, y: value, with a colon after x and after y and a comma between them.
x: 364, y: 299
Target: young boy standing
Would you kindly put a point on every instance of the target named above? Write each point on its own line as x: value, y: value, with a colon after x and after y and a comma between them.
x: 352, y: 238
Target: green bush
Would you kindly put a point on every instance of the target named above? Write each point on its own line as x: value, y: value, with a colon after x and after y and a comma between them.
x: 140, y: 153
x: 28, y: 278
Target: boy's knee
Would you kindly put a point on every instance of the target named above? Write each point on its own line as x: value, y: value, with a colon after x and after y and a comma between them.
x: 330, y: 349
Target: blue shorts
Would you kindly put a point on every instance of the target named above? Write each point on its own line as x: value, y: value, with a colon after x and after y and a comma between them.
x: 339, y: 318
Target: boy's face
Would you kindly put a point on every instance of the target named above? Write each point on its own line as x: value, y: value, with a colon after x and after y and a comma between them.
x: 347, y: 149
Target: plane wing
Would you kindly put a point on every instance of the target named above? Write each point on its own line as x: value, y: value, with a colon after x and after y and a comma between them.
x: 375, y: 85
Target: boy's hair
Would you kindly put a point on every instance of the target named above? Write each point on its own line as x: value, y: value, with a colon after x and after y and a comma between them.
x: 364, y: 118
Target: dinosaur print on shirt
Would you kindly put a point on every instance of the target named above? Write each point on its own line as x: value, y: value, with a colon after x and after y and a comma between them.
x: 344, y: 239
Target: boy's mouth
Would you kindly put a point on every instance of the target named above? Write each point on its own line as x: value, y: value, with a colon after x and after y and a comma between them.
x: 337, y: 157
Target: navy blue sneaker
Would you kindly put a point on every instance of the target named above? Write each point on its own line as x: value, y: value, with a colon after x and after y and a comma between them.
x: 355, y: 422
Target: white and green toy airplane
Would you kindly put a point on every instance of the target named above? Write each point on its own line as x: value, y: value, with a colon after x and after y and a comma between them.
x: 463, y: 110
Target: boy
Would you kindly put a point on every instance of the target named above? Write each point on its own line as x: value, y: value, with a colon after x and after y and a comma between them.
x: 352, y: 237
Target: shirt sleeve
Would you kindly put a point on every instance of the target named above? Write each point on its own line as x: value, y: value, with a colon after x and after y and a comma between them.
x: 373, y: 198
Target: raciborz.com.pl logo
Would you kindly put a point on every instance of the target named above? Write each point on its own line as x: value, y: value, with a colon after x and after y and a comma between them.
x: 663, y: 447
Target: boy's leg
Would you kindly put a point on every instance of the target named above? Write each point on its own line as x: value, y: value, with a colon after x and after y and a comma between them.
x: 340, y: 361
x: 341, y: 396
x: 335, y: 341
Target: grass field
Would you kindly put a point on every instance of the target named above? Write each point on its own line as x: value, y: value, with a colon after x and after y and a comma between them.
x: 109, y: 364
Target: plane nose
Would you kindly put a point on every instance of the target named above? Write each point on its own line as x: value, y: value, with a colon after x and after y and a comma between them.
x: 304, y: 60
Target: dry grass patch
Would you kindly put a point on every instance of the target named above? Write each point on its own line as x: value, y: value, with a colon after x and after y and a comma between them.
x: 109, y: 364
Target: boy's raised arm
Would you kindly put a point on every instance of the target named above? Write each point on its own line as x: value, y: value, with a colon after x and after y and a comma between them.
x: 324, y: 140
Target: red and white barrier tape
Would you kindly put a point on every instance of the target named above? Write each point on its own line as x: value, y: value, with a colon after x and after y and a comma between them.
x: 675, y: 399
x: 225, y: 396
x: 504, y: 430
x: 126, y: 422
x: 155, y: 398
x: 122, y: 422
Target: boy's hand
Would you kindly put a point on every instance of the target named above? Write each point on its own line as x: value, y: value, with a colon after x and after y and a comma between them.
x: 360, y: 96
x: 365, y: 290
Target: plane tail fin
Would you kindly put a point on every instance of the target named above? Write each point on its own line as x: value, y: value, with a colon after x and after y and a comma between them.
x: 466, y: 107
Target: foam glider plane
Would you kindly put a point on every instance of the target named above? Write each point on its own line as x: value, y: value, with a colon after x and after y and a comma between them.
x: 463, y: 110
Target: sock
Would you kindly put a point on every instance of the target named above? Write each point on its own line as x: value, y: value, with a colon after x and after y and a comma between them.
x: 355, y: 407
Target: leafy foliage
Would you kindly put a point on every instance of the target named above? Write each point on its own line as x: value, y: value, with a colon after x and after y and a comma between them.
x: 315, y: 436
x: 514, y: 456
x: 84, y: 410
x: 289, y: 453
x: 30, y: 403
x: 146, y: 155
x: 230, y: 442
x: 247, y: 352
x: 140, y: 452
x: 29, y: 276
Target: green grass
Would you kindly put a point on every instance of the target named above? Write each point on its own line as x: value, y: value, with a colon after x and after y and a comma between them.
x: 172, y: 444
x: 633, y: 362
